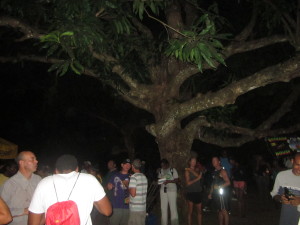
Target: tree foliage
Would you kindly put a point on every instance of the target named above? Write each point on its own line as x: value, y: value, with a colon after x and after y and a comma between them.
x: 183, y: 61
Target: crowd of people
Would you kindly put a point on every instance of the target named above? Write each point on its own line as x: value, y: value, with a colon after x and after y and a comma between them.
x: 119, y: 197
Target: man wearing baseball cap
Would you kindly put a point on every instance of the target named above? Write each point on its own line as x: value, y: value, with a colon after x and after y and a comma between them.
x: 138, y: 194
x: 118, y: 183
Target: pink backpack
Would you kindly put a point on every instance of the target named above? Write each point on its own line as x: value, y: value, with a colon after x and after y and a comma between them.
x: 63, y: 213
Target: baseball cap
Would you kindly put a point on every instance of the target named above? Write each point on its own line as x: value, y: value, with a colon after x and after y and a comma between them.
x: 126, y: 161
x: 137, y: 163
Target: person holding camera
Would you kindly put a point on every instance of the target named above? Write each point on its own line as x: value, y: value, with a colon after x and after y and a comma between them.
x: 286, y: 190
x: 219, y: 191
x: 168, y: 178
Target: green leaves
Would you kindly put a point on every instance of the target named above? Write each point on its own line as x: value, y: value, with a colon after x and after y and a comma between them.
x: 56, y: 36
x: 139, y: 6
x: 196, y: 52
x: 62, y: 67
x: 199, y: 45
x: 122, y: 25
x: 57, y: 41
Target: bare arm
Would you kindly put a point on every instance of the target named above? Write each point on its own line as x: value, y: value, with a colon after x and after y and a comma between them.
x: 210, y: 191
x: 132, y: 192
x: 293, y: 200
x: 103, y: 206
x: 188, y: 179
x: 5, y: 215
x: 281, y: 198
x: 35, y: 219
x: 226, y: 178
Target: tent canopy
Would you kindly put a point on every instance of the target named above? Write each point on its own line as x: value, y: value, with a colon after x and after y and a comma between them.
x: 8, y: 150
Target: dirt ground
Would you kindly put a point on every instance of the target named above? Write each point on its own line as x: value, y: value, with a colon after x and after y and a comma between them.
x: 259, y: 212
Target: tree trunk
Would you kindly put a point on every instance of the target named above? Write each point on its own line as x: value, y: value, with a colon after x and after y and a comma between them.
x: 176, y: 148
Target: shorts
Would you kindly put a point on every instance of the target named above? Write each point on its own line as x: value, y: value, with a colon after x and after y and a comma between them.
x: 239, y: 184
x: 194, y: 197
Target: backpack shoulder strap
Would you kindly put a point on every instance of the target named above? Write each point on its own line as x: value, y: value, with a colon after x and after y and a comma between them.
x: 54, y: 187
x: 71, y: 190
x: 74, y: 185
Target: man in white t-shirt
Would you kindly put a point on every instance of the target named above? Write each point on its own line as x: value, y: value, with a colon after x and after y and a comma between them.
x: 86, y: 192
x: 168, y: 178
x: 286, y: 190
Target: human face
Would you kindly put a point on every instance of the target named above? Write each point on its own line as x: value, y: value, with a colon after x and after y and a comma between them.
x: 126, y: 167
x: 111, y: 165
x: 164, y: 166
x: 296, y: 165
x: 29, y: 162
x: 193, y: 162
x: 215, y: 162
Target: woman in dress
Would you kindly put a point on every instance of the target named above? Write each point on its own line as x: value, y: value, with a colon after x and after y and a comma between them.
x: 219, y: 191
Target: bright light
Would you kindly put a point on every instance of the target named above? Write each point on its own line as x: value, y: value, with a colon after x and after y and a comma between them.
x: 221, y: 191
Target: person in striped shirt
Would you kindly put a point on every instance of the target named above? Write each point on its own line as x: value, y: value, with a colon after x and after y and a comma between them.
x: 138, y: 185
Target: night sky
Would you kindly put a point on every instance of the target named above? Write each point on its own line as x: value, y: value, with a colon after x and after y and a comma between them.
x: 52, y: 115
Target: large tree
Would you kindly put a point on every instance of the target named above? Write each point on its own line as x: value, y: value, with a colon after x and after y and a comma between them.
x: 175, y: 59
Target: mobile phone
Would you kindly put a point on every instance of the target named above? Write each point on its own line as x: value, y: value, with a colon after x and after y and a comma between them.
x: 287, y: 193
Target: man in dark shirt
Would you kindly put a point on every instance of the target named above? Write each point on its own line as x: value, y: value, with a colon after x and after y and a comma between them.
x: 118, y: 184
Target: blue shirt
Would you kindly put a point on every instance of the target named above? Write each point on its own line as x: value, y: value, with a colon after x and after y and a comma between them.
x: 119, y: 192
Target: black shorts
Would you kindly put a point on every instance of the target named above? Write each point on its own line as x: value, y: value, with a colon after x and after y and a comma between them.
x: 194, y: 197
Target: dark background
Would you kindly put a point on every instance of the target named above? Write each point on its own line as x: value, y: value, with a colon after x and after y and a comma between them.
x: 52, y: 115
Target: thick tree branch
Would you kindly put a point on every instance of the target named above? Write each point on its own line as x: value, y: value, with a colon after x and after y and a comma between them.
x: 34, y: 58
x: 118, y: 69
x: 129, y: 96
x: 234, y: 48
x: 283, y: 109
x: 282, y: 72
x: 240, y: 47
x: 177, y: 81
x: 245, y: 135
x: 255, y: 133
x: 28, y: 31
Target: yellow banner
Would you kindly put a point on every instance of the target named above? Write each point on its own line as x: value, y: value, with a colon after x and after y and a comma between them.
x: 8, y: 150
